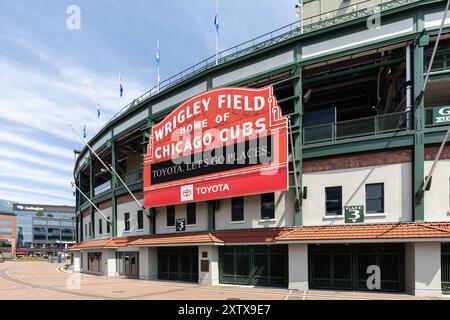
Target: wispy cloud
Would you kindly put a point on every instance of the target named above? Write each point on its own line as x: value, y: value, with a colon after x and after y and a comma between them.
x: 42, y: 177
x: 32, y: 144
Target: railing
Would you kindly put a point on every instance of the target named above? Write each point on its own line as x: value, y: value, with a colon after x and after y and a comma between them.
x: 130, y: 178
x: 355, y: 128
x: 311, y: 24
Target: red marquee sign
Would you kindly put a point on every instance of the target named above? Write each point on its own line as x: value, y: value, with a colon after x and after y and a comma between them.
x: 223, y: 143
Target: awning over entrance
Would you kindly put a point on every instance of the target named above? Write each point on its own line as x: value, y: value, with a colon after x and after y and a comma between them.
x: 401, y: 231
x: 104, y: 243
x: 186, y: 239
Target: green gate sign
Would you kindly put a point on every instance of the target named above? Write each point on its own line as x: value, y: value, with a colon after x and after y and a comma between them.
x: 354, y: 214
x: 441, y: 115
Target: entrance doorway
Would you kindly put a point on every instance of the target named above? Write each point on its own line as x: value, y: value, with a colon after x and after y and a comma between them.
x: 254, y: 265
x: 180, y: 264
x: 344, y: 267
x: 128, y: 264
x: 95, y: 261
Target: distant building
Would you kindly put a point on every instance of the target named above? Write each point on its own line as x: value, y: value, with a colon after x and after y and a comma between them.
x: 41, y: 229
x: 7, y: 235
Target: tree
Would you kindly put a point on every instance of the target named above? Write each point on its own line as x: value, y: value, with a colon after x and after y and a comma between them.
x: 39, y: 213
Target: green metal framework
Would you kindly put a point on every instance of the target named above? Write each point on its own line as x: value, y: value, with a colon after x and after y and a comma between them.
x: 381, y: 133
x: 344, y: 267
x: 254, y: 265
x: 445, y: 269
x: 178, y: 264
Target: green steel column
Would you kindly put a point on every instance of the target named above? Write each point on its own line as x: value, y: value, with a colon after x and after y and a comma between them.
x: 419, y: 127
x: 211, y: 216
x: 92, y: 193
x: 114, y: 186
x: 211, y: 204
x: 152, y: 211
x: 297, y: 127
x: 79, y: 220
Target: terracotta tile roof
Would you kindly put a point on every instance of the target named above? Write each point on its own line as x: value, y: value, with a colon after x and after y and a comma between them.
x: 281, y: 235
x: 104, y: 243
x: 177, y: 239
x: 369, y: 232
x: 261, y: 235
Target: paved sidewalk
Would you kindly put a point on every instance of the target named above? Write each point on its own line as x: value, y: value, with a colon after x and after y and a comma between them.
x: 43, y: 280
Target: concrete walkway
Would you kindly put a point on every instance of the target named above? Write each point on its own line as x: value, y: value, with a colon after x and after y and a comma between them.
x: 42, y: 280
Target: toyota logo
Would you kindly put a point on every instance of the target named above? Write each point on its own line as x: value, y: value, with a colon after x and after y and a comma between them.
x: 187, y: 193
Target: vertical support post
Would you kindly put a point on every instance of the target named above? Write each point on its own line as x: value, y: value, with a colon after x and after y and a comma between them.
x: 297, y: 126
x: 92, y: 194
x: 114, y: 186
x: 79, y: 217
x: 419, y: 126
x: 152, y: 211
x: 211, y: 216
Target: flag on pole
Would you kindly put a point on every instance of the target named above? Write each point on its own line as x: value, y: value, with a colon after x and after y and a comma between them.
x: 158, y: 55
x: 158, y: 60
x: 216, y: 25
x: 98, y: 111
x: 120, y: 86
x: 84, y: 132
x: 216, y: 22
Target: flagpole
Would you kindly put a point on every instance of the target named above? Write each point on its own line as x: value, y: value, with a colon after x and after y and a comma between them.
x: 157, y: 67
x: 217, y: 33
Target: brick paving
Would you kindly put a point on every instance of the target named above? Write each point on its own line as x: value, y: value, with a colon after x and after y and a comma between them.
x: 42, y: 280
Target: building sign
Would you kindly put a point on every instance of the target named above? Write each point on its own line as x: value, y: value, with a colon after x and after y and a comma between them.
x: 181, y: 225
x: 354, y: 214
x: 441, y: 116
x: 24, y: 207
x: 223, y: 143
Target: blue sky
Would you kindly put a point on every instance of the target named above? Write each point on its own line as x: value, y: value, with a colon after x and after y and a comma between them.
x: 51, y: 76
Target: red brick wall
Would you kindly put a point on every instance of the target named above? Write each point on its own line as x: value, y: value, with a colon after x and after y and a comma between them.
x: 431, y: 152
x: 384, y: 157
x: 12, y: 226
x: 128, y: 198
x: 86, y: 212
x: 105, y: 205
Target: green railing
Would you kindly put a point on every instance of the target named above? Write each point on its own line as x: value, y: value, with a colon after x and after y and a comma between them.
x: 130, y: 178
x: 311, y: 24
x: 356, y: 128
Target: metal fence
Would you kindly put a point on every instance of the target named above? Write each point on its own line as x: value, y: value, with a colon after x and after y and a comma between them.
x: 354, y: 128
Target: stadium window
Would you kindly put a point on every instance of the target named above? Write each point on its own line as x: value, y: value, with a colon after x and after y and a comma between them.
x: 100, y: 226
x: 333, y: 201
x: 237, y: 209
x: 170, y: 216
x: 268, y: 206
x: 140, y: 215
x: 85, y: 230
x: 191, y: 214
x: 90, y: 229
x: 375, y: 198
x: 127, y: 221
x: 108, y: 226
